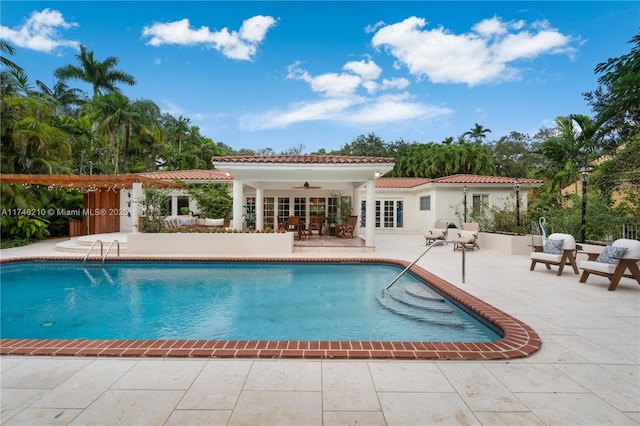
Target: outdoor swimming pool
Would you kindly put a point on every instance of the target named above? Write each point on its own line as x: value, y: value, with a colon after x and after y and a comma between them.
x: 229, y: 300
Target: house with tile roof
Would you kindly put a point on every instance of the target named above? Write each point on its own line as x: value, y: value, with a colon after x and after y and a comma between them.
x: 268, y: 189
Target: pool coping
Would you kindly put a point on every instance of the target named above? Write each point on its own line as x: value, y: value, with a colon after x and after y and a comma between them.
x: 519, y: 340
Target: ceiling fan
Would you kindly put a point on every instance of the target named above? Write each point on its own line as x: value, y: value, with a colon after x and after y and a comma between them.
x: 307, y: 186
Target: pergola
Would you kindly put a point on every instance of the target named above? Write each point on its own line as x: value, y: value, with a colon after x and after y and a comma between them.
x: 101, y: 193
x: 87, y: 182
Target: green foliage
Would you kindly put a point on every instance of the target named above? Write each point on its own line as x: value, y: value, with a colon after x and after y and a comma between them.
x: 27, y: 227
x: 153, y: 203
x: 213, y: 200
x: 6, y: 243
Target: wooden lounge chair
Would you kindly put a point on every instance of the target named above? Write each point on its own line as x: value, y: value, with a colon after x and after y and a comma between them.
x: 559, y: 249
x: 349, y: 229
x: 315, y: 224
x: 438, y: 232
x: 613, y: 262
x: 467, y: 237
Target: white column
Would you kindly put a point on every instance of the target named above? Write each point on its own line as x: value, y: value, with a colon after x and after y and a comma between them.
x: 238, y: 203
x: 370, y: 231
x: 259, y: 209
x: 174, y: 205
x: 136, y: 198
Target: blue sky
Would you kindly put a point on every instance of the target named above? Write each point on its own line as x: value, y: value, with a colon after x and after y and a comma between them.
x: 279, y: 74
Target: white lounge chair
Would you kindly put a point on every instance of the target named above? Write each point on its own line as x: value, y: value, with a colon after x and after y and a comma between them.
x: 559, y: 249
x: 438, y: 232
x: 613, y: 262
x: 467, y: 237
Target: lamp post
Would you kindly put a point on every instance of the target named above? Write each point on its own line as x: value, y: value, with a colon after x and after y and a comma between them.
x: 584, y: 172
x: 516, y: 187
x: 465, y: 191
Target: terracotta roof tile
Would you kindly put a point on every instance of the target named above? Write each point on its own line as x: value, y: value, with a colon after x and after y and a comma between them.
x: 188, y: 175
x: 500, y: 180
x: 401, y: 182
x: 304, y: 159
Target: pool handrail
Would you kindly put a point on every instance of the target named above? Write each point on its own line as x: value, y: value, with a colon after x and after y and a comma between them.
x: 106, y: 253
x: 84, y: 261
x: 433, y: 244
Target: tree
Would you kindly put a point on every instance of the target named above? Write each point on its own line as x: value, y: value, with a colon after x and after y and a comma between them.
x: 477, y: 133
x: 573, y: 146
x: 370, y: 145
x: 616, y: 102
x: 6, y: 48
x: 513, y: 155
x: 101, y: 75
x: 66, y: 98
x: 214, y: 201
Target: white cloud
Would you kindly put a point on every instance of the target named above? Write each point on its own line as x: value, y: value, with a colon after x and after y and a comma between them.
x: 327, y: 109
x: 41, y: 32
x: 329, y: 84
x: 393, y: 108
x: 239, y: 45
x: 482, y: 56
x: 352, y: 97
x: 368, y: 70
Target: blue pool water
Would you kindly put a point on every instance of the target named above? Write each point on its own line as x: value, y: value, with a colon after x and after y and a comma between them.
x: 234, y: 301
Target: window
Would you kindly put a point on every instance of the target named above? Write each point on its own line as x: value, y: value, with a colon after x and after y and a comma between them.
x: 283, y: 209
x: 300, y: 207
x: 425, y: 203
x: 317, y: 206
x: 480, y: 202
x: 389, y: 214
x: 183, y: 205
x: 268, y: 212
x: 250, y: 212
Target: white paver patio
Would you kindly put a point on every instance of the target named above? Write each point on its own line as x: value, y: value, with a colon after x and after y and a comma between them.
x: 586, y: 373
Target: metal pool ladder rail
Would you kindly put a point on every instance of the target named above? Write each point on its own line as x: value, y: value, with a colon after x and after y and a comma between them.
x: 106, y: 253
x: 102, y: 256
x: 433, y: 244
x: 84, y: 262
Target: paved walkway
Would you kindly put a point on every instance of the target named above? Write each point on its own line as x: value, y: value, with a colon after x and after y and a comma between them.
x: 587, y: 371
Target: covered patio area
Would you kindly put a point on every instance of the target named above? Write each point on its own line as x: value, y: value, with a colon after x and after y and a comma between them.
x: 268, y: 190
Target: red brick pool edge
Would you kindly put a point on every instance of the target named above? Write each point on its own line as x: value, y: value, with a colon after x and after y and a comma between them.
x: 519, y: 339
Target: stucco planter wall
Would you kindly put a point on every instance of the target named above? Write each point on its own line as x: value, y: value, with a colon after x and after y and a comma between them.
x: 210, y: 244
x: 509, y: 244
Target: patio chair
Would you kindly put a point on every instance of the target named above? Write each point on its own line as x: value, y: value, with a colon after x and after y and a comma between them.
x: 558, y: 249
x: 315, y: 224
x: 349, y: 229
x: 613, y: 262
x: 467, y: 237
x: 438, y: 232
x: 294, y: 224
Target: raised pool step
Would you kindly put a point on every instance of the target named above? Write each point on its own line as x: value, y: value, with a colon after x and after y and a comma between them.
x: 402, y: 303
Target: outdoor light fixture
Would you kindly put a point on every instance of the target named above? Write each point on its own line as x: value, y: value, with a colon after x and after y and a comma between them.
x: 584, y: 172
x: 516, y: 187
x: 465, y: 191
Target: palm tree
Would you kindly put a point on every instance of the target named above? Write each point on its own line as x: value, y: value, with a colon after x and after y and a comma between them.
x: 574, y: 146
x: 65, y: 97
x: 7, y: 48
x: 477, y: 133
x: 100, y: 74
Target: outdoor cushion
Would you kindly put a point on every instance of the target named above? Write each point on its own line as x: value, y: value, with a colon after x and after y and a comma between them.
x: 606, y: 268
x: 466, y: 237
x: 553, y: 246
x: 546, y: 256
x: 214, y: 222
x: 610, y: 254
x: 438, y: 233
x: 633, y: 247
